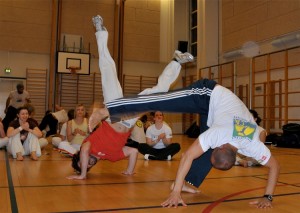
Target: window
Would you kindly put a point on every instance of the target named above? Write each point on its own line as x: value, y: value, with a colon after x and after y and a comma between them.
x: 193, y: 27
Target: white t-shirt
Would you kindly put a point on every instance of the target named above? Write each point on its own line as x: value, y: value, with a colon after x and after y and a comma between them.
x: 63, y: 130
x: 18, y: 100
x: 231, y: 122
x: 153, y: 133
x: 61, y: 116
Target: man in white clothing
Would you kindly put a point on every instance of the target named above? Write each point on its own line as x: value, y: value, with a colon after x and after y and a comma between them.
x: 231, y: 129
x: 17, y: 98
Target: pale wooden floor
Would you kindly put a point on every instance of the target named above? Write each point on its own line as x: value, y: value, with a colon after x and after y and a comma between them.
x: 41, y: 186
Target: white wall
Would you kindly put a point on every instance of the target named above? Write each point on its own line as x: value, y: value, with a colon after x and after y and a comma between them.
x: 18, y: 62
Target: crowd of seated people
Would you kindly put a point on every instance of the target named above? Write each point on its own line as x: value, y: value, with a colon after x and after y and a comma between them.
x: 65, y: 134
x: 25, y: 136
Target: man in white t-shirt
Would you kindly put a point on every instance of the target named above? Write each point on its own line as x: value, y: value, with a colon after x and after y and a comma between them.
x: 17, y: 98
x: 231, y: 129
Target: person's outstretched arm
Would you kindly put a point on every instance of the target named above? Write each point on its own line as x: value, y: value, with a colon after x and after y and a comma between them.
x: 193, y: 152
x: 274, y: 168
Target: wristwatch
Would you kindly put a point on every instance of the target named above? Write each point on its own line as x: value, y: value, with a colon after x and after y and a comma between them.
x: 269, y: 197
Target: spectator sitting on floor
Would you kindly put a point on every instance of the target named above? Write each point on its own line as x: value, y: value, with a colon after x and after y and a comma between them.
x: 77, y: 131
x: 52, y: 120
x: 149, y: 121
x: 63, y: 131
x: 158, y: 144
x: 23, y: 136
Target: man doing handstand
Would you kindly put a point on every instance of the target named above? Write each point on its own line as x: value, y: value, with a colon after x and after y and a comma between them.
x: 232, y: 129
x: 108, y: 141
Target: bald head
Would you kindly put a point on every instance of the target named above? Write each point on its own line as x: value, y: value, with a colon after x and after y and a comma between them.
x: 223, y: 157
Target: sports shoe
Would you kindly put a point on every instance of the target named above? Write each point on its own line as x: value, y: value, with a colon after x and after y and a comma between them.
x: 146, y: 156
x: 183, y: 57
x: 98, y: 23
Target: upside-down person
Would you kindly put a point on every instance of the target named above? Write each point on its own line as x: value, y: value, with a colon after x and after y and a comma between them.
x: 107, y: 142
x: 232, y: 129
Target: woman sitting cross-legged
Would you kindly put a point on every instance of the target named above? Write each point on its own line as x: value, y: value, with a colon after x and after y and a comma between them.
x: 158, y: 137
x: 77, y: 131
x: 23, y: 136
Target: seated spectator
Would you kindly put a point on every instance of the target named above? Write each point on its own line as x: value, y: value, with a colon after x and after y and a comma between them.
x: 158, y: 141
x: 31, y: 111
x: 63, y: 131
x: 23, y: 136
x: 77, y: 131
x: 3, y: 138
x: 144, y: 119
x: 149, y: 121
x: 52, y: 120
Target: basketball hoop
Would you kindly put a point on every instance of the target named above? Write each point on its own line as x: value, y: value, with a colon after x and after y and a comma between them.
x: 73, y: 70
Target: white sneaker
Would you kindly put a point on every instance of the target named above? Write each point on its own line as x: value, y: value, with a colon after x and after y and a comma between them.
x: 98, y: 23
x: 169, y: 157
x: 183, y: 57
x: 146, y: 156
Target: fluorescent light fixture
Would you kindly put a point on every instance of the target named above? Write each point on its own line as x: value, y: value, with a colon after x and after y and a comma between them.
x: 233, y: 54
x: 285, y: 40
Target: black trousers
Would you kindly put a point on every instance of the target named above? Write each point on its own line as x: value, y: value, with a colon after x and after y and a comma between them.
x: 49, y: 120
x: 11, y: 114
x: 159, y: 154
x: 192, y: 99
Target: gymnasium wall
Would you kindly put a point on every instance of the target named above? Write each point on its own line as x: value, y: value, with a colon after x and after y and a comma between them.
x: 257, y: 20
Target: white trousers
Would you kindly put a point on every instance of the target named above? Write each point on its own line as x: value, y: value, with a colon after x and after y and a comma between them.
x: 43, y: 142
x: 166, y: 78
x: 70, y: 148
x: 31, y: 144
x: 110, y: 84
x: 3, y: 142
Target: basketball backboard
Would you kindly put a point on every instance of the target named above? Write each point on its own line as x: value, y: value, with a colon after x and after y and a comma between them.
x: 68, y: 60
